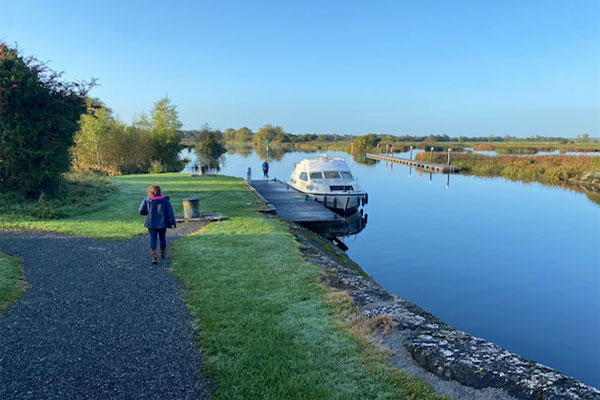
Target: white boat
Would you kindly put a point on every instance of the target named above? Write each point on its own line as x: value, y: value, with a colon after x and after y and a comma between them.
x: 328, y: 181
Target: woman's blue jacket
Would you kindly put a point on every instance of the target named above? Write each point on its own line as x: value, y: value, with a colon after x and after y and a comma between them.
x: 159, y: 213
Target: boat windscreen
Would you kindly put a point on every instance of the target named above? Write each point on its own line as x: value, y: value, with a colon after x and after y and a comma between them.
x: 331, y: 175
x: 316, y: 175
x: 346, y: 174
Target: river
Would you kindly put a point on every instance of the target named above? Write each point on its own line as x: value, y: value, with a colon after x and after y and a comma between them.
x: 517, y: 264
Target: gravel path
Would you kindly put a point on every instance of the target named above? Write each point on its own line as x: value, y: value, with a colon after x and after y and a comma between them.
x: 97, y: 321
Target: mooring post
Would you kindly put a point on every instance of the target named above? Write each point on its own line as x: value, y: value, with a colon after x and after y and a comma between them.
x: 190, y: 208
x: 249, y: 174
x: 410, y: 156
x: 431, y: 158
x: 449, y: 150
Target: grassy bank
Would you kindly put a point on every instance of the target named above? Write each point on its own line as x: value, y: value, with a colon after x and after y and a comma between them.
x: 112, y: 215
x: 265, y: 325
x: 262, y: 320
x: 12, y: 284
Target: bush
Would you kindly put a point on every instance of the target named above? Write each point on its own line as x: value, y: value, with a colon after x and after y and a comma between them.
x: 39, y: 115
x: 76, y: 194
x: 156, y: 167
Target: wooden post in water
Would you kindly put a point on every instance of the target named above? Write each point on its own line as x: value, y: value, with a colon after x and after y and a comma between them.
x: 410, y: 156
x: 431, y: 157
x: 449, y: 150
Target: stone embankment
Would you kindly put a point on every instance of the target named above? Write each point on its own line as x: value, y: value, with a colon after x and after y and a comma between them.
x: 452, y: 355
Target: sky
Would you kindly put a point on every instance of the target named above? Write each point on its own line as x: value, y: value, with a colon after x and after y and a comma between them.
x: 472, y: 68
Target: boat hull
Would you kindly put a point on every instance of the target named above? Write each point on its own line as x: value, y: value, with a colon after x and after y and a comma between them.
x: 342, y: 203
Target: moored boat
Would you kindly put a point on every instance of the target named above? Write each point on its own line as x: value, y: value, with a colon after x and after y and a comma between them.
x: 329, y: 181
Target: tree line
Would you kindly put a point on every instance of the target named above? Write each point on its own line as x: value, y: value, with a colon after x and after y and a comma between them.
x: 107, y: 145
x: 49, y: 126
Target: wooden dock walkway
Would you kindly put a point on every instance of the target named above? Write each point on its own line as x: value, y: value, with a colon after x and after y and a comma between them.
x: 426, y: 166
x: 294, y: 206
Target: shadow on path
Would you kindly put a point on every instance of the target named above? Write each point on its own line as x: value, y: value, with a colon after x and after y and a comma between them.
x: 97, y: 321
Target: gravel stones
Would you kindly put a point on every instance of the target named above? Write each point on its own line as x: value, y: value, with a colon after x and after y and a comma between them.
x: 97, y: 321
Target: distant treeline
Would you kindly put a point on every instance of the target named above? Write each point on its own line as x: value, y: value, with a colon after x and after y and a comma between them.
x: 276, y: 134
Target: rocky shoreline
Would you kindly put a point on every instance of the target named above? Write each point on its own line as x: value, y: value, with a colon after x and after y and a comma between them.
x: 479, y: 368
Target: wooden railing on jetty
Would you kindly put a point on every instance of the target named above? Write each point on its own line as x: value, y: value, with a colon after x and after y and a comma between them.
x: 426, y: 166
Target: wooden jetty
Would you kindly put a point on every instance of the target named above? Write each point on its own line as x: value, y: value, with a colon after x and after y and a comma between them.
x: 292, y: 205
x: 426, y: 166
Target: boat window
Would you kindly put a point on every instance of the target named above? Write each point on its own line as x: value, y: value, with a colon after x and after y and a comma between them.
x: 346, y: 174
x: 331, y: 175
x: 304, y: 176
x: 316, y: 175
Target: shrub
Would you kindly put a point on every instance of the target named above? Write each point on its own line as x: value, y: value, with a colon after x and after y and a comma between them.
x: 39, y: 115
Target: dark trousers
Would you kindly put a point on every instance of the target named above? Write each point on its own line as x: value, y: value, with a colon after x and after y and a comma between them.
x: 160, y: 234
x: 265, y: 173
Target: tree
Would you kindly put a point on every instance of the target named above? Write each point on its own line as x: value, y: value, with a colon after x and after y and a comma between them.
x: 39, y: 115
x: 92, y: 135
x: 209, y: 147
x: 166, y: 134
x: 229, y: 135
x: 274, y: 134
x: 243, y: 134
x: 367, y: 142
x: 105, y: 144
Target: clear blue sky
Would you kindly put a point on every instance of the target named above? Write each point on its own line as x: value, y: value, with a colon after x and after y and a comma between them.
x: 413, y: 67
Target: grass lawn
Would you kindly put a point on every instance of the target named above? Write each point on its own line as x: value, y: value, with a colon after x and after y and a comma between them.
x: 262, y: 321
x: 266, y: 327
x: 11, y: 281
x: 119, y: 218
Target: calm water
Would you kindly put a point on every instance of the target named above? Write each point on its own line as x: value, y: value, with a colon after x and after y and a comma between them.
x: 517, y: 264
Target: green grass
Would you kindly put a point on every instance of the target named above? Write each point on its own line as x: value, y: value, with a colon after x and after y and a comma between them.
x: 116, y: 216
x: 261, y: 318
x: 12, y: 284
x: 266, y: 327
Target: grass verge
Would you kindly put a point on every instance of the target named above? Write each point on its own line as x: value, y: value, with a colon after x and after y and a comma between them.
x: 266, y: 328
x: 114, y: 214
x: 12, y: 284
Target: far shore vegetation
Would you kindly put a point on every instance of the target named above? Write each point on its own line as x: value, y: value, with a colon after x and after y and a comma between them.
x: 12, y: 283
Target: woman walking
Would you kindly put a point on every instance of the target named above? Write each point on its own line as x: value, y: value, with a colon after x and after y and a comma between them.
x: 159, y: 216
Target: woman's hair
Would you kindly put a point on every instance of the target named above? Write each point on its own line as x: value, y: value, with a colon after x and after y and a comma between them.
x: 154, y: 191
